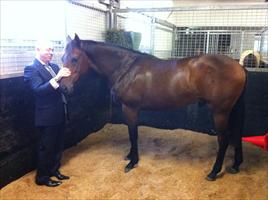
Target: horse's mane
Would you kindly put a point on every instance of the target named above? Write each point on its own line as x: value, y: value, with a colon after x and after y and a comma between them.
x: 109, y: 44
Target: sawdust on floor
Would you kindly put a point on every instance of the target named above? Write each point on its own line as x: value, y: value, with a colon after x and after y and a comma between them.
x: 173, y: 165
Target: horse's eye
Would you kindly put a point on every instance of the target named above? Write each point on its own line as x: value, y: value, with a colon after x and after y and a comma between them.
x: 74, y: 60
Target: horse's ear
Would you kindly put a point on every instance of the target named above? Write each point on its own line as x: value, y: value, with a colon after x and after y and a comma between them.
x: 77, y: 39
x: 68, y: 39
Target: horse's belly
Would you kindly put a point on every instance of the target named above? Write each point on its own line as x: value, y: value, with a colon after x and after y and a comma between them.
x: 168, y: 102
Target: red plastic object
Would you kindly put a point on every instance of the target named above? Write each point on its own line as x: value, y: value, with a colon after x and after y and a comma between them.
x: 260, y: 141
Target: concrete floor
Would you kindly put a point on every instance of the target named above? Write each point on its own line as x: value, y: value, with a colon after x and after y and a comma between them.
x: 173, y: 165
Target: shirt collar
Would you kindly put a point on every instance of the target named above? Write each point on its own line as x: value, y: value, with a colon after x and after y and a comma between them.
x: 41, y: 62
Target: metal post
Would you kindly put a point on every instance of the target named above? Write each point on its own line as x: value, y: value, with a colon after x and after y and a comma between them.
x: 207, y: 46
x: 110, y: 17
x: 241, y: 43
x: 152, y: 36
x: 114, y: 20
x: 174, y: 35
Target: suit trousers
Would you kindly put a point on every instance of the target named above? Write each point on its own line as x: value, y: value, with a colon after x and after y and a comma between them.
x: 50, y: 150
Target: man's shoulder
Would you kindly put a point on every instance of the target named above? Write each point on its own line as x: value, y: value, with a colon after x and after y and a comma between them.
x: 33, y: 64
x: 31, y: 67
x: 54, y: 65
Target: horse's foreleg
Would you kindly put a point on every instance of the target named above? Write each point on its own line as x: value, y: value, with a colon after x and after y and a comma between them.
x: 131, y: 117
x: 220, y: 120
x: 133, y: 154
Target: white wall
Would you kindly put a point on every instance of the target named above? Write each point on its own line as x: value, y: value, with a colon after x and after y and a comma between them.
x: 149, y: 4
x: 220, y: 18
x: 32, y: 19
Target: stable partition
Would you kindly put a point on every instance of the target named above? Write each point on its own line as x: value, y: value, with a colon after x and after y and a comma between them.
x: 88, y: 112
x: 90, y: 108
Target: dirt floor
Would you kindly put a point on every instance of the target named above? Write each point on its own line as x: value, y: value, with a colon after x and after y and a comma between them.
x: 173, y: 165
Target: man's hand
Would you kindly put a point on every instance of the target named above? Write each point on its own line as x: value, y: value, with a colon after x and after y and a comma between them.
x: 64, y: 72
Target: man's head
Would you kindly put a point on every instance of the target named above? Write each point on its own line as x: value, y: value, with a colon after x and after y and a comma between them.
x: 44, y: 50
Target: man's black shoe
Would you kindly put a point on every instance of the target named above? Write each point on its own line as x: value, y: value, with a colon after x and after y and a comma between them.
x: 60, y: 176
x: 49, y: 182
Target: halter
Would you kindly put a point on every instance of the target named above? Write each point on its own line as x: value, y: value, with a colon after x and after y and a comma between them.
x: 74, y: 62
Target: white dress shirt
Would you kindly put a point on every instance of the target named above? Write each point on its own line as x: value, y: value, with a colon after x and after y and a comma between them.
x: 53, y: 82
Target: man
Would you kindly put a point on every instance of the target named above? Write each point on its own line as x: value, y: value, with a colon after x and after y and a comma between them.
x: 43, y: 78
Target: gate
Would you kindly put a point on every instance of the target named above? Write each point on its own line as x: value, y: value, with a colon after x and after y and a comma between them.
x: 194, y: 30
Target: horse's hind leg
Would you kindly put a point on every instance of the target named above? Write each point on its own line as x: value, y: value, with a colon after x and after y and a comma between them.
x: 236, y: 122
x: 238, y: 159
x: 221, y: 123
x: 236, y: 141
x: 131, y: 117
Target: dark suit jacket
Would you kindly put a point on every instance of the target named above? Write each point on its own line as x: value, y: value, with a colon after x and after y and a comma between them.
x: 49, y: 108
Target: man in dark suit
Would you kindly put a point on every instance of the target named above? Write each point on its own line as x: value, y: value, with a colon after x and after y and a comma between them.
x: 43, y: 78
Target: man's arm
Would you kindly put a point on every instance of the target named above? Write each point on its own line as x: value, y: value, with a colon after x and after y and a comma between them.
x: 32, y: 77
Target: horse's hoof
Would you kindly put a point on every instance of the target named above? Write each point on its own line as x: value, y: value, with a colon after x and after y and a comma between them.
x: 232, y: 170
x: 211, y: 177
x: 129, y: 167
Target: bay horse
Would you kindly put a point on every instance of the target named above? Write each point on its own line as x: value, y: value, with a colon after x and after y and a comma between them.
x: 143, y: 82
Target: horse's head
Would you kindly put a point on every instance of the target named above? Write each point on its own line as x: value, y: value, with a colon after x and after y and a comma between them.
x: 109, y: 60
x: 76, y: 60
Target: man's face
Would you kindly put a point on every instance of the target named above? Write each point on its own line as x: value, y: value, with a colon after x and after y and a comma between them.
x: 45, y: 54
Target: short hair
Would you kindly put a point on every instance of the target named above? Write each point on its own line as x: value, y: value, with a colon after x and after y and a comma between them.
x: 43, y: 44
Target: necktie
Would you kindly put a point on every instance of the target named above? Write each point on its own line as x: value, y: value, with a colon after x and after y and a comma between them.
x: 53, y: 74
x: 50, y: 70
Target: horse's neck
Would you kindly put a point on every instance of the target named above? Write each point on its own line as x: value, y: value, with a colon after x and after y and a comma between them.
x: 115, y: 63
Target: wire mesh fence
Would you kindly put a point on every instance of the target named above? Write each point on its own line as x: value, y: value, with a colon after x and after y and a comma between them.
x: 15, y: 55
x: 82, y: 18
x: 165, y: 32
x: 191, y: 31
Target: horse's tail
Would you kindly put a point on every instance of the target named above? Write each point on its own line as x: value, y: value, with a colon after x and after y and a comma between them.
x: 237, y: 116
